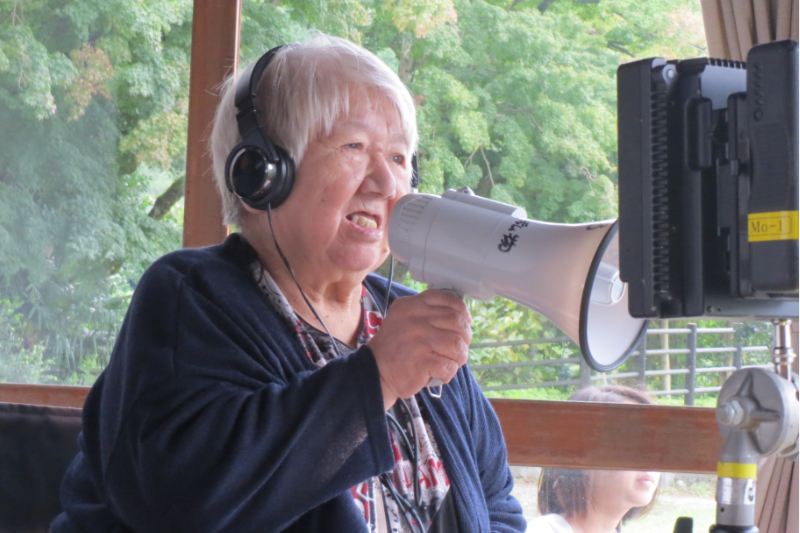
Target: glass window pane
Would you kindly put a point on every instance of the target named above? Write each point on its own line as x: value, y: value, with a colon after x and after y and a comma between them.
x: 520, y: 105
x: 93, y: 106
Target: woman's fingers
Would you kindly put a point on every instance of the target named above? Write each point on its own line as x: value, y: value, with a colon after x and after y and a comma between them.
x: 454, y: 323
x: 422, y: 337
x: 436, y: 308
x: 439, y: 298
x: 450, y: 346
x: 444, y: 369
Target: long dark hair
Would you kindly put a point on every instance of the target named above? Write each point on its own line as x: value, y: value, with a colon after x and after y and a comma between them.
x: 565, y: 490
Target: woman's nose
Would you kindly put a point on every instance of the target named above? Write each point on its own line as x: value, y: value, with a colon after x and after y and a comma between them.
x: 380, y: 179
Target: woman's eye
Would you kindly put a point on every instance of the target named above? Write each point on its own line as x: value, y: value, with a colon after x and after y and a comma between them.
x: 353, y: 146
x: 398, y: 159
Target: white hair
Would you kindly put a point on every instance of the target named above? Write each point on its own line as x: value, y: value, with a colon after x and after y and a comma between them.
x: 302, y: 93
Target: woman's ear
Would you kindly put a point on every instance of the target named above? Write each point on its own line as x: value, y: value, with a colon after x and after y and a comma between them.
x: 251, y: 217
x: 252, y: 210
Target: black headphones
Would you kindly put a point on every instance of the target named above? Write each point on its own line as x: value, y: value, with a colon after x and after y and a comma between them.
x: 258, y: 171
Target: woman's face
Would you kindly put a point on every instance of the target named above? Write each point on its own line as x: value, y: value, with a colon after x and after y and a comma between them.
x: 347, y: 183
x: 618, y: 489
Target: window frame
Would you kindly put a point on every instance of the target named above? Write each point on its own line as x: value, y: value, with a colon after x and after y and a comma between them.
x: 537, y: 433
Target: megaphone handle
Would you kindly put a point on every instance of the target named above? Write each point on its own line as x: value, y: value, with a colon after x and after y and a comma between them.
x: 432, y: 388
x: 435, y: 386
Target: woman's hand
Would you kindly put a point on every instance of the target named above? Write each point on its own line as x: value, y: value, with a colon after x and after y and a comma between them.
x: 422, y: 337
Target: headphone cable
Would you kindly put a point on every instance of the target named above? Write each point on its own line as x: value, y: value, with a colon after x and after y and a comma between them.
x: 334, y: 342
x: 414, y: 452
x: 404, y: 505
x: 402, y: 502
x: 388, y: 287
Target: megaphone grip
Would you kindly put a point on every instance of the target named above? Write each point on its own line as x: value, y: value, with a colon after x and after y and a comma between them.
x: 432, y: 387
x: 435, y: 386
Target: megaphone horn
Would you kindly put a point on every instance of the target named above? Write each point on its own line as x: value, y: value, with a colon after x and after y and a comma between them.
x: 482, y: 248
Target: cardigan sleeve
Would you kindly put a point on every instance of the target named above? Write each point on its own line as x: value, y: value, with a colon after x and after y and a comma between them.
x: 221, y: 433
x: 505, y: 512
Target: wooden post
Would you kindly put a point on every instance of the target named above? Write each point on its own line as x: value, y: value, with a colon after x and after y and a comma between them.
x: 215, y: 54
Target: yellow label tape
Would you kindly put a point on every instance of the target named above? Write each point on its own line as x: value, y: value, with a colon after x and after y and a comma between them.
x: 774, y: 226
x: 736, y: 470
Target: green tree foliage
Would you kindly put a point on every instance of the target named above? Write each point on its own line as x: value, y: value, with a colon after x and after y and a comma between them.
x: 93, y: 104
x: 19, y: 363
x: 516, y: 99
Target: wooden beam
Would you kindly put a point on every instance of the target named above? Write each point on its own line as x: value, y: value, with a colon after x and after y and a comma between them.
x: 215, y: 55
x: 49, y: 395
x: 549, y: 433
x: 612, y: 436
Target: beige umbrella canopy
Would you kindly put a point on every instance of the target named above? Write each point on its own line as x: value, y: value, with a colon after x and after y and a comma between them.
x: 734, y: 26
x: 777, y: 494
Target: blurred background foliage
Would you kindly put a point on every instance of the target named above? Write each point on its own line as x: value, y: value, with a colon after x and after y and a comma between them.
x: 516, y: 99
x: 93, y: 99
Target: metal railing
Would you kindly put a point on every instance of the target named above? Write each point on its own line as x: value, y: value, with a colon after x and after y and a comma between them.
x: 585, y: 375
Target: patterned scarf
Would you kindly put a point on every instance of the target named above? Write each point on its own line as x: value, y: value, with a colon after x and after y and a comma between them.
x: 434, y: 483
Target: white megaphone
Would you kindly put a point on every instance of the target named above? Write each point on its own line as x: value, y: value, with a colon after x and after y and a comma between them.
x: 482, y: 248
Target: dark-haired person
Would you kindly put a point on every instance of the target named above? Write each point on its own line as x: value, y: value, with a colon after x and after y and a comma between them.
x: 258, y: 385
x: 594, y: 501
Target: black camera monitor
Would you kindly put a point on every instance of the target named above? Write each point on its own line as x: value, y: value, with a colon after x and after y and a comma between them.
x: 708, y: 185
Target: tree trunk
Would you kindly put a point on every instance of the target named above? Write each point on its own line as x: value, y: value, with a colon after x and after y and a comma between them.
x: 485, y: 185
x: 405, y: 70
x: 165, y: 202
x: 544, y: 4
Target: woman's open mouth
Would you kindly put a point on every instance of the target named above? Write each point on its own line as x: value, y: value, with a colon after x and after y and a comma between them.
x: 364, y: 220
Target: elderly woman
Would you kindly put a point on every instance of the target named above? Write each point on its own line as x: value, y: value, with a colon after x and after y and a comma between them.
x: 260, y: 385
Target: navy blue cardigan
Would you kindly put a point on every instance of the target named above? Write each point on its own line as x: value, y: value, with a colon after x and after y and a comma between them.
x: 210, y: 418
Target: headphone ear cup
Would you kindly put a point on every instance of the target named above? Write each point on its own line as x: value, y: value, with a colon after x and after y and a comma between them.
x: 280, y: 191
x: 266, y: 191
x: 247, y: 171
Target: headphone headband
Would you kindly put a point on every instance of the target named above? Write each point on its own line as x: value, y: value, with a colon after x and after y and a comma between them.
x: 246, y: 91
x: 257, y: 171
x: 247, y: 86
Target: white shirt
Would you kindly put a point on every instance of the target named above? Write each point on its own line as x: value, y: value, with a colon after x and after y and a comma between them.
x: 549, y: 523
